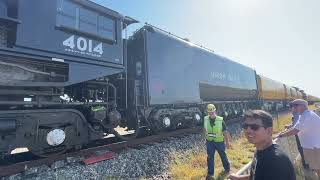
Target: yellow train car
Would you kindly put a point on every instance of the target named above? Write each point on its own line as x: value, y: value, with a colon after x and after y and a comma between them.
x: 288, y: 96
x: 272, y: 94
x: 270, y: 89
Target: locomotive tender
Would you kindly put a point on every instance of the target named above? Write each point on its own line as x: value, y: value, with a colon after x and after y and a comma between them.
x: 68, y: 77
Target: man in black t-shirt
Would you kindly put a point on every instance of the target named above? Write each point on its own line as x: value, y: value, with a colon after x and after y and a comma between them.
x: 269, y: 162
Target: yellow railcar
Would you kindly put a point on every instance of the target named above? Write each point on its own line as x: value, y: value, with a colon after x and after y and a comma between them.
x: 270, y: 89
x: 288, y: 96
x: 294, y: 93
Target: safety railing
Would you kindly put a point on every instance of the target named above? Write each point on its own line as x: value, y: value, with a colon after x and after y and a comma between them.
x: 245, y: 169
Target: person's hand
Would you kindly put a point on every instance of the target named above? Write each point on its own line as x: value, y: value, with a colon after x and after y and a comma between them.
x: 228, y: 146
x: 233, y: 177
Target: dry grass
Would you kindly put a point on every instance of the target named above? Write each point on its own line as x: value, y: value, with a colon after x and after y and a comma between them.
x: 195, y: 165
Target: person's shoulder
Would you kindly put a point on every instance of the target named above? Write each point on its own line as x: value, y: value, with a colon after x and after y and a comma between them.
x: 219, y: 117
x: 282, y: 165
x: 307, y: 113
x: 280, y: 156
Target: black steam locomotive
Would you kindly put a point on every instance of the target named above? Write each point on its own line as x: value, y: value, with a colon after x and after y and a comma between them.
x: 68, y: 77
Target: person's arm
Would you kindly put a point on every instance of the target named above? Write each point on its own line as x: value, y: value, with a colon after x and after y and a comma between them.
x: 289, y: 132
x: 205, y: 130
x: 293, y: 130
x: 226, y: 135
x: 298, y: 126
x: 238, y: 177
x: 226, y: 139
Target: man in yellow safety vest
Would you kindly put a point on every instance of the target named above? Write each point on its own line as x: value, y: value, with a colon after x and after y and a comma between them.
x: 217, y: 138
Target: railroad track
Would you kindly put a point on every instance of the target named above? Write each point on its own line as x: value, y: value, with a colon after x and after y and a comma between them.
x: 32, y: 162
x: 24, y: 162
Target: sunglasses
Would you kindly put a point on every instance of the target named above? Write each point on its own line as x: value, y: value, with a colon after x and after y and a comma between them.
x: 254, y: 127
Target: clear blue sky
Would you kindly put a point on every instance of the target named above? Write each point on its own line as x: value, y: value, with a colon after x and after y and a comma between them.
x: 280, y: 39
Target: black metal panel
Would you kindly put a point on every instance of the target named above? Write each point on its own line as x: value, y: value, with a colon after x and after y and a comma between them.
x: 3, y: 35
x: 7, y: 125
x: 70, y: 28
x: 180, y: 72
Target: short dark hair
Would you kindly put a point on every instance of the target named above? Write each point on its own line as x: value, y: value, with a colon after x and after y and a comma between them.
x: 265, y: 117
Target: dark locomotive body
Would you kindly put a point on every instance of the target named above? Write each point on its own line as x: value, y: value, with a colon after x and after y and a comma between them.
x: 68, y: 77
x: 62, y: 73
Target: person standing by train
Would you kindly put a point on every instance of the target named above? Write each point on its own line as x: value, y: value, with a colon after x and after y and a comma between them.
x: 295, y: 118
x: 307, y: 128
x: 269, y: 161
x: 217, y: 139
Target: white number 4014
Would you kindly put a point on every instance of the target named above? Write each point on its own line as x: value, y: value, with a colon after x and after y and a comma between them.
x: 82, y: 44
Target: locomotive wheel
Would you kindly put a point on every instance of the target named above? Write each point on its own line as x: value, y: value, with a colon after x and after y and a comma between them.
x: 55, y: 138
x: 197, y: 119
x: 166, y: 122
x: 163, y: 123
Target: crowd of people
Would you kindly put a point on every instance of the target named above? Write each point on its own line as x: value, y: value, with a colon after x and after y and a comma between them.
x: 269, y: 161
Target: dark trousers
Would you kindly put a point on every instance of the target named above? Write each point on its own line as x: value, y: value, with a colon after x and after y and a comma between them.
x: 305, y: 165
x: 211, y: 149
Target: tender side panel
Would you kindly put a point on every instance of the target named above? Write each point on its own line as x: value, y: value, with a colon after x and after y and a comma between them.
x: 179, y: 72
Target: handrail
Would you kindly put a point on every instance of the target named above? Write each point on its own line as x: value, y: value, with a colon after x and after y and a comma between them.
x: 245, y: 169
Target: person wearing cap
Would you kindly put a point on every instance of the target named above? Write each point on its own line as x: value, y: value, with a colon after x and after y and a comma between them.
x: 217, y: 139
x: 269, y: 162
x: 295, y: 117
x: 308, y: 130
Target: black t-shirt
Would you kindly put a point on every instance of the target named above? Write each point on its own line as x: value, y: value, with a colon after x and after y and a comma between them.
x: 212, y: 121
x: 272, y: 164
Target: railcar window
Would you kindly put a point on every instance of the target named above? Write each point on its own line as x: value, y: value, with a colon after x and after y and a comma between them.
x: 75, y: 17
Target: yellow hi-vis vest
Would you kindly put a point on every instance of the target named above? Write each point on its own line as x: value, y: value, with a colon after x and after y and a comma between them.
x: 214, y: 133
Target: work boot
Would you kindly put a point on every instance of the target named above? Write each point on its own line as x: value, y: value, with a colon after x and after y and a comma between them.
x: 209, y: 177
x: 226, y: 171
x: 305, y: 166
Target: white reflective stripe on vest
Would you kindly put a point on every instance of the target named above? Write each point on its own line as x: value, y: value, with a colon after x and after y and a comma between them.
x: 212, y: 135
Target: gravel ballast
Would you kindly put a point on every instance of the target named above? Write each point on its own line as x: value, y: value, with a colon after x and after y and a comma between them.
x: 150, y: 161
